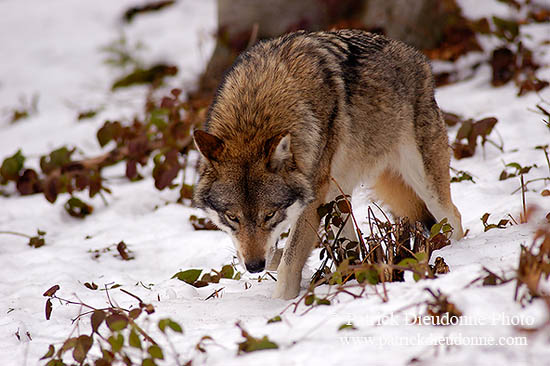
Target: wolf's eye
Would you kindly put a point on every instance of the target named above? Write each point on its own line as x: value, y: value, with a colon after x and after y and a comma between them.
x: 269, y: 216
x: 232, y: 217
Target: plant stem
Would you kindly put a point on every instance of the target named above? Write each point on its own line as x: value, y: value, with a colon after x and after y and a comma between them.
x: 15, y: 233
x: 524, y: 219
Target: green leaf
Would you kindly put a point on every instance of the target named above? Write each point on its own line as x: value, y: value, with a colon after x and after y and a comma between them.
x: 514, y: 165
x: 55, y: 363
x: 159, y: 118
x: 90, y: 113
x: 78, y: 208
x: 323, y: 302
x: 336, y: 277
x: 275, y: 319
x: 148, y: 362
x: 51, y: 351
x: 163, y: 323
x: 12, y: 166
x: 252, y: 344
x: 421, y: 256
x: 346, y: 326
x: 189, y: 276
x: 408, y: 262
x: 309, y: 299
x: 67, y: 345
x: 117, y: 322
x: 134, y: 313
x: 370, y: 275
x: 155, y: 352
x: 509, y: 29
x: 227, y: 271
x: 134, y: 340
x: 144, y: 76
x: 116, y: 342
x: 436, y: 228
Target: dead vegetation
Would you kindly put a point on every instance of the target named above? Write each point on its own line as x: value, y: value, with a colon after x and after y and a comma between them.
x: 384, y: 255
x: 115, y: 337
x: 164, y: 134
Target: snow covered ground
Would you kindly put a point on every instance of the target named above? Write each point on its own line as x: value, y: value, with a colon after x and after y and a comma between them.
x: 52, y: 49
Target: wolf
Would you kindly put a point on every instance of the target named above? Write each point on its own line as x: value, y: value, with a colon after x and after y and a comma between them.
x: 296, y: 114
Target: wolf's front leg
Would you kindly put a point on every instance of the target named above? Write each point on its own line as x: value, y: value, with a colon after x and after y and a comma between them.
x: 296, y: 252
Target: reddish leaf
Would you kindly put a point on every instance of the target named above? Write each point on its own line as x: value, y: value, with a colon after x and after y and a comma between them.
x: 176, y: 92
x: 138, y: 147
x: 29, y: 183
x: 531, y: 84
x: 51, y: 189
x: 167, y: 102
x: 165, y: 171
x: 201, y: 223
x: 451, y: 119
x: 48, y: 309
x: 344, y: 206
x: 131, y: 169
x: 81, y: 181
x: 503, y: 63
x: 83, y: 345
x: 97, y: 318
x: 122, y: 249
x: 149, y: 309
x: 91, y: 286
x: 51, y: 291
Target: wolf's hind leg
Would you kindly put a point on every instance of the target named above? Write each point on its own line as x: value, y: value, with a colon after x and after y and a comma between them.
x: 430, y: 181
x: 401, y: 198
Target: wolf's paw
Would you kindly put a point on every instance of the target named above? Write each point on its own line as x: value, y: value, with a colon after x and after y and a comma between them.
x: 288, y: 284
x: 285, y: 292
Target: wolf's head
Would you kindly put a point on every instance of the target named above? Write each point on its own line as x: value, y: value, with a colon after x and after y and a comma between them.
x: 251, y: 191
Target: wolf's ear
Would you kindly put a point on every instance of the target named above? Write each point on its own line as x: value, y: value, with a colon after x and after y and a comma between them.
x: 209, y: 145
x: 278, y: 150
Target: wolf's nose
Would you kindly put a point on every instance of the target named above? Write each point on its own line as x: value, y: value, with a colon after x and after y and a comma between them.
x: 255, y: 266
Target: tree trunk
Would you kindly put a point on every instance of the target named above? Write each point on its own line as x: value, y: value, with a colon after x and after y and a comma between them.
x: 416, y: 22
x: 243, y: 22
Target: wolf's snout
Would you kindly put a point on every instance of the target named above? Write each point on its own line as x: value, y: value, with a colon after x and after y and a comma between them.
x: 255, y: 266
